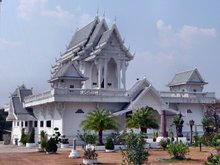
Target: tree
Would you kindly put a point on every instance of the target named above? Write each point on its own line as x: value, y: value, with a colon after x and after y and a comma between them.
x: 142, y: 118
x: 178, y: 122
x: 99, y: 120
x: 191, y: 124
x: 4, y: 125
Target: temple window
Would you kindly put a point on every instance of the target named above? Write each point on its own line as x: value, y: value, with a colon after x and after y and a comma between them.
x: 48, y: 123
x: 41, y: 123
x: 35, y: 123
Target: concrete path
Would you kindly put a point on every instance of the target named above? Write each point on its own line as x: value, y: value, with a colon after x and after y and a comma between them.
x: 14, y: 149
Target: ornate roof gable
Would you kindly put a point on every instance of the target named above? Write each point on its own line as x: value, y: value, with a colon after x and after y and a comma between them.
x: 68, y: 71
x: 106, y: 39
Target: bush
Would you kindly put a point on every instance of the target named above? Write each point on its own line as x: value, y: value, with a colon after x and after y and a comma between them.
x: 163, y: 143
x: 31, y: 137
x: 109, y: 145
x: 24, y: 137
x: 64, y: 140
x: 213, y: 159
x: 178, y: 150
x: 215, y: 139
x: 207, y: 138
x: 43, y: 140
x: 118, y: 139
x: 56, y: 135
x: 87, y: 138
x: 51, y: 146
x: 135, y: 153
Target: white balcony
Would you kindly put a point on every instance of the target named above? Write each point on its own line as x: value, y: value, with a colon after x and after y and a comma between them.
x: 78, y: 95
x: 188, y: 97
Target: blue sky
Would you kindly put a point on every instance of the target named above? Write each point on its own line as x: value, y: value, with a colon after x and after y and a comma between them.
x: 166, y: 36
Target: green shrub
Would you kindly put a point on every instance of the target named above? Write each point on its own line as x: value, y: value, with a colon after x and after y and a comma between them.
x: 56, y: 135
x: 178, y: 150
x: 213, y: 159
x: 24, y: 137
x: 135, y: 153
x: 87, y: 138
x: 109, y: 145
x: 215, y: 139
x: 118, y: 139
x: 51, y: 146
x: 163, y: 143
x: 31, y: 137
x: 196, y: 139
x: 64, y: 140
x: 207, y: 138
x: 43, y: 140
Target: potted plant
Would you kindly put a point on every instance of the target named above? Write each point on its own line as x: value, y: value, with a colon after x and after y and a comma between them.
x: 109, y: 145
x: 64, y: 142
x: 31, y: 140
x: 90, y: 156
x: 154, y: 136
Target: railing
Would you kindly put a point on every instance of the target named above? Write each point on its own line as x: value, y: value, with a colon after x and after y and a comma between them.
x: 75, y: 92
x: 89, y: 92
x: 40, y: 96
x: 188, y: 97
x: 188, y: 94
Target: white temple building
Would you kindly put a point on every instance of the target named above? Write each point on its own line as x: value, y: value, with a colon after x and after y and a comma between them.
x: 91, y: 74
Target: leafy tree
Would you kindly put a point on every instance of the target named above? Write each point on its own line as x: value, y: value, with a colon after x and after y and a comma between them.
x: 191, y: 124
x: 211, y: 120
x: 4, y: 125
x: 142, y: 118
x: 99, y: 120
x: 178, y: 122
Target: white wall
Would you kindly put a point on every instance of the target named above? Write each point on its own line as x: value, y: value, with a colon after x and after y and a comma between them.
x: 72, y: 120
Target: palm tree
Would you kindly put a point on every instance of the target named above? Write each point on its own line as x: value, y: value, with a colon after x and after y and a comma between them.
x: 191, y: 124
x: 99, y: 120
x: 142, y: 118
x: 178, y: 122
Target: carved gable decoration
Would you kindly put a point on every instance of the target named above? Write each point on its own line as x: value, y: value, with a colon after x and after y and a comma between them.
x: 196, y: 77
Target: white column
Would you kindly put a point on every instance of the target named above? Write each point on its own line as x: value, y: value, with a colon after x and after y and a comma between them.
x: 118, y: 74
x: 124, y: 75
x: 105, y: 73
x: 99, y: 75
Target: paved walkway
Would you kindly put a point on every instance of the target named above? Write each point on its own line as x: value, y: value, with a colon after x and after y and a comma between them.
x: 13, y: 149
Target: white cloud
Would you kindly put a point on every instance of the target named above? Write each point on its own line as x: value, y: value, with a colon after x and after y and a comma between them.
x: 9, y: 44
x: 189, y: 34
x: 27, y: 8
x: 60, y: 14
x: 176, y: 46
x: 84, y: 19
x: 185, y: 37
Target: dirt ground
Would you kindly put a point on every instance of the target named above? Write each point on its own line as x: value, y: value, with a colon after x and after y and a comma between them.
x: 61, y: 158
